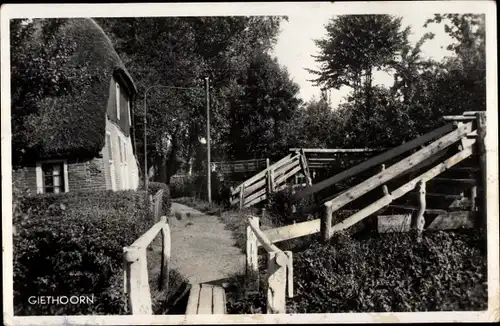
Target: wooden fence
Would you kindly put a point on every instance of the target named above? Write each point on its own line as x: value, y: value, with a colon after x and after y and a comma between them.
x: 279, y: 268
x: 136, y: 279
x: 323, y: 158
x: 273, y: 178
x: 156, y: 207
x: 470, y: 142
x: 241, y: 166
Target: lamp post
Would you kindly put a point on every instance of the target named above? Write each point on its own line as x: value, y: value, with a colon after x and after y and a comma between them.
x: 145, y: 123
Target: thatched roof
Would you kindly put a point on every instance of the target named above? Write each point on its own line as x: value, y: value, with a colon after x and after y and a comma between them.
x: 74, y: 124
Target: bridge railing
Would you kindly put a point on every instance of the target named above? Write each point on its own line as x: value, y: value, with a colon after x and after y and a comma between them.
x: 136, y: 279
x: 279, y: 268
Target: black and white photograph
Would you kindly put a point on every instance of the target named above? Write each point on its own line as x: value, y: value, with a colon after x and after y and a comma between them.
x: 211, y: 162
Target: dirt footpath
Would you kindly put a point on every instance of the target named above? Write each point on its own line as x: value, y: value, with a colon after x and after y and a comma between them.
x: 202, y: 249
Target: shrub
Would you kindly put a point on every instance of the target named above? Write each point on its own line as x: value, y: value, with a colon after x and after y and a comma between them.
x: 182, y: 186
x: 154, y: 187
x: 196, y: 186
x: 392, y: 272
x: 71, y: 244
x: 280, y: 206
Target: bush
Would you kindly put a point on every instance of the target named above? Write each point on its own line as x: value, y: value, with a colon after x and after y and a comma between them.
x: 71, y: 244
x: 154, y: 187
x: 392, y: 272
x: 182, y: 186
x: 196, y: 186
x: 280, y: 206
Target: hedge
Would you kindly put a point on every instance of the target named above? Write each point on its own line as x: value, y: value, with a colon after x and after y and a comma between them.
x: 392, y: 272
x: 71, y: 244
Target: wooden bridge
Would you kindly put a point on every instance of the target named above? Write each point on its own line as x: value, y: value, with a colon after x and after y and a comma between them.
x: 455, y: 186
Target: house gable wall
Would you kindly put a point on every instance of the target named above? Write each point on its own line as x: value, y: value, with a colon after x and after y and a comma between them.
x: 126, y: 174
x: 123, y: 123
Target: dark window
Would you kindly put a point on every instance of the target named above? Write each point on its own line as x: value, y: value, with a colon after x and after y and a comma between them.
x: 53, y: 178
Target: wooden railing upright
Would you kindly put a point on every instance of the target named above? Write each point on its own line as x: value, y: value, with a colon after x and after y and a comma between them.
x: 136, y: 279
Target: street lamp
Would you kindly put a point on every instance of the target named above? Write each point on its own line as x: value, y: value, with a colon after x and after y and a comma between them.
x: 145, y: 129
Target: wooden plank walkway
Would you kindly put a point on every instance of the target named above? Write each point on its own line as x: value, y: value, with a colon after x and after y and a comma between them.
x: 206, y: 299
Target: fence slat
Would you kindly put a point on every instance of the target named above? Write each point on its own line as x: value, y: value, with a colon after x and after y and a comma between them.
x: 206, y: 297
x: 482, y: 191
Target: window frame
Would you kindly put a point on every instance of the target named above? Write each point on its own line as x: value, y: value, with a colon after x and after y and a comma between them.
x: 128, y: 109
x: 117, y: 100
x: 111, y: 162
x: 40, y: 177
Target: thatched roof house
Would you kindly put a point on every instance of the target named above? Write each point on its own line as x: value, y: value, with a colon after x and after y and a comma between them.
x: 77, y: 134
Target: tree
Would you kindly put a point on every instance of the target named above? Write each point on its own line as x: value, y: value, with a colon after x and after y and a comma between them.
x: 263, y: 110
x: 182, y: 52
x: 356, y: 45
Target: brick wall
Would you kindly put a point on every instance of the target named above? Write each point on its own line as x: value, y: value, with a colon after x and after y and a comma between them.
x: 82, y: 176
x: 25, y: 179
x: 87, y: 176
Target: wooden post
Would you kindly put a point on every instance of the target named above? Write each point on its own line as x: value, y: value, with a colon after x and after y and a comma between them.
x: 305, y: 167
x: 482, y: 189
x: 289, y: 273
x: 473, y: 195
x: 276, y: 280
x: 271, y: 180
x: 384, y: 187
x: 326, y: 223
x: 418, y: 220
x: 242, y: 195
x: 138, y: 293
x: 166, y: 254
x: 252, y: 258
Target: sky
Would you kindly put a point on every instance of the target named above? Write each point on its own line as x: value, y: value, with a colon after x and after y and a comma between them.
x: 296, y: 46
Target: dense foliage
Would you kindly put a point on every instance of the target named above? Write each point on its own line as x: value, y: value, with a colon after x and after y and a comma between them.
x: 71, y: 244
x: 446, y: 271
x: 60, y: 74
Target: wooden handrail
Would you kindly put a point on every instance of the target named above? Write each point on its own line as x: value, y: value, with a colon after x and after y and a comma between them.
x: 279, y: 268
x: 374, y: 161
x: 407, y: 187
x: 136, y: 280
x: 400, y: 167
x: 264, y: 241
x: 259, y: 175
